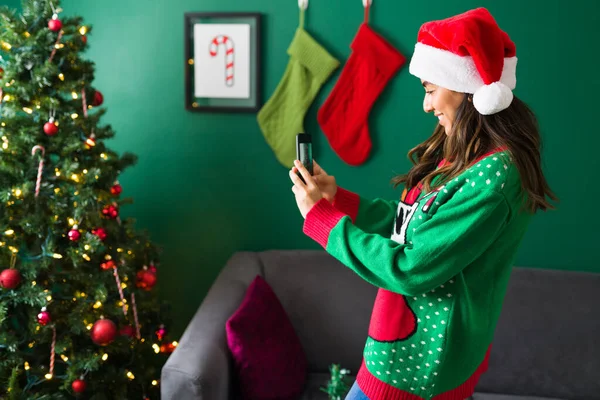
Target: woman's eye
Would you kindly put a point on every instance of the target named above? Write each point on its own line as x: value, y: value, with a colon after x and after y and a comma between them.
x: 429, y: 91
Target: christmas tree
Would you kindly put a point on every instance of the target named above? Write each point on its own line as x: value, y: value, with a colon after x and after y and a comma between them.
x: 77, y: 311
x: 337, y: 387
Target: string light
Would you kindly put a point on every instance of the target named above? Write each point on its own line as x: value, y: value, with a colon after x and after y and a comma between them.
x: 97, y: 305
x: 75, y: 96
x: 75, y: 177
x: 83, y: 30
x: 26, y: 34
x: 123, y: 285
x: 57, y: 256
x: 30, y: 345
x: 130, y: 375
x: 64, y: 358
x: 48, y: 376
x: 13, y: 249
x: 56, y: 190
x: 85, y: 171
x: 74, y: 115
x: 18, y: 192
x: 49, y: 298
x: 87, y: 247
x: 7, y: 97
x: 26, y: 366
x: 61, y: 76
x: 28, y: 110
x: 57, y: 172
x: 33, y: 283
x: 86, y: 257
x: 72, y: 221
x: 104, y: 357
x: 6, y: 46
x: 103, y: 156
x: 156, y: 348
x: 154, y: 382
x: 191, y: 61
x: 9, y: 232
x: 89, y: 327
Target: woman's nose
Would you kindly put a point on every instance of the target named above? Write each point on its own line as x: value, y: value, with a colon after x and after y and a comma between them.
x: 427, y: 107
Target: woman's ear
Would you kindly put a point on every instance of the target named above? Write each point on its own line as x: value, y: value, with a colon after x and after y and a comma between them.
x: 470, y: 98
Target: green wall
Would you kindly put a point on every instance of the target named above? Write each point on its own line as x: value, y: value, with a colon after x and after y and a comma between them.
x: 208, y: 185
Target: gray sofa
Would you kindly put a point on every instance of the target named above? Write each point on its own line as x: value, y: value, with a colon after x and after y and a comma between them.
x: 547, y: 343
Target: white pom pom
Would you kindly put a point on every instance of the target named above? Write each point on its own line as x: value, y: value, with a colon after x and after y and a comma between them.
x: 492, y: 98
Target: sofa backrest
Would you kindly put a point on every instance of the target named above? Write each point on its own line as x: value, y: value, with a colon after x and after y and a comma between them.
x: 328, y: 305
x: 546, y: 342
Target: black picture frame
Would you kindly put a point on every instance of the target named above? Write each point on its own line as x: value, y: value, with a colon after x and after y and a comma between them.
x: 196, y: 103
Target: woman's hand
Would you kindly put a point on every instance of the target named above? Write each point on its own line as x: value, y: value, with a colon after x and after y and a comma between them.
x: 307, y: 194
x: 325, y: 182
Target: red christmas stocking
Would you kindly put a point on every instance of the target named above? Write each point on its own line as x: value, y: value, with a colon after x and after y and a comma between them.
x: 343, y: 116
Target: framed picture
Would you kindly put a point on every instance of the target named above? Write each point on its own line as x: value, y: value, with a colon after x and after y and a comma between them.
x: 222, y: 62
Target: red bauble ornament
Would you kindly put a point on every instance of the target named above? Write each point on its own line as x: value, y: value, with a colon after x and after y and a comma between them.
x: 1, y: 73
x: 116, y: 189
x: 84, y: 39
x: 167, y: 348
x: 127, y: 330
x: 74, y: 234
x: 79, y: 386
x: 145, y: 279
x: 55, y: 24
x: 98, y: 99
x: 161, y: 333
x: 44, y: 317
x: 50, y: 128
x: 110, y: 212
x: 10, y: 278
x: 103, y: 332
x: 100, y: 232
x: 152, y: 268
x: 110, y: 264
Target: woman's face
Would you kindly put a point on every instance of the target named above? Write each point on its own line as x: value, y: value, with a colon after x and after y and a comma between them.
x: 443, y: 103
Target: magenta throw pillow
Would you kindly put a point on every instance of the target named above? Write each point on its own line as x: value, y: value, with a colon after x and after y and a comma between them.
x: 268, y: 356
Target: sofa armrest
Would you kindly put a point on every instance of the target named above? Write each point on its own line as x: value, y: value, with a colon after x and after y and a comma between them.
x: 200, y: 367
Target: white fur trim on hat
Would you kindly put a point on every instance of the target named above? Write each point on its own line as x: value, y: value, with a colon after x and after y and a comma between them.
x: 458, y: 73
x: 492, y: 98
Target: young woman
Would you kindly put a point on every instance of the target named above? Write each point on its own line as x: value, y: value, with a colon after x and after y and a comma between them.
x: 442, y: 255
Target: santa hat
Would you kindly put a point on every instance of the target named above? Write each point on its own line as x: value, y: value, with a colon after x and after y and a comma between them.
x: 468, y: 53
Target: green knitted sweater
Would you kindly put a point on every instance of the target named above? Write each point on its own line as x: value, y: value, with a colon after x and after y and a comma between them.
x: 442, y: 261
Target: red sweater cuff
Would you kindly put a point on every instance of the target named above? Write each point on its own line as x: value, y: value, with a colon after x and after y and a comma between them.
x: 347, y: 202
x: 320, y: 220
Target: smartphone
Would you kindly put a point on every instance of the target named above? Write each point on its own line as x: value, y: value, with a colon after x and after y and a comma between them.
x: 304, y: 152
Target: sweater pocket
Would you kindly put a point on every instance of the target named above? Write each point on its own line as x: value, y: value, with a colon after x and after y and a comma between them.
x: 392, y: 318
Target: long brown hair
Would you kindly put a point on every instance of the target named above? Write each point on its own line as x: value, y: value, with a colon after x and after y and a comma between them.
x: 472, y: 136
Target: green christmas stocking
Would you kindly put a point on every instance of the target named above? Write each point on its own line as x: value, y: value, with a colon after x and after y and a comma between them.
x: 282, y: 116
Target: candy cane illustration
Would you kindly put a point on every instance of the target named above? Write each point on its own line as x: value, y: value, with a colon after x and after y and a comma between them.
x: 228, y: 44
